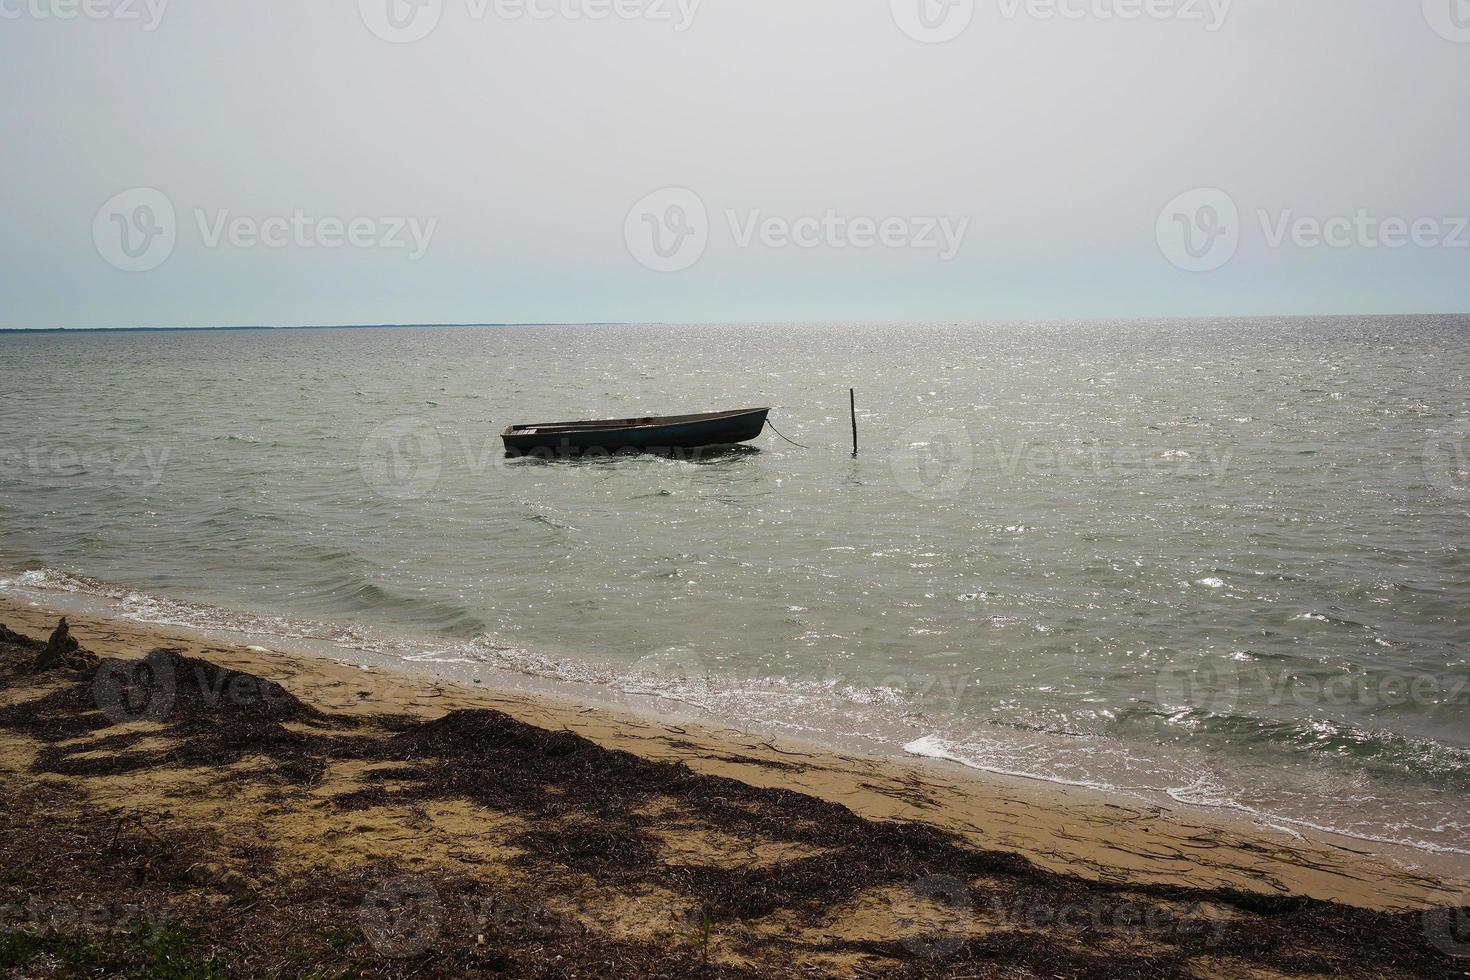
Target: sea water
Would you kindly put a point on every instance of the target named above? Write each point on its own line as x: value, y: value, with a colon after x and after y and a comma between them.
x: 1226, y: 562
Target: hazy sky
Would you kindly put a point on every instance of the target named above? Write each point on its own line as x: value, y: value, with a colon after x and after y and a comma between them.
x: 198, y: 162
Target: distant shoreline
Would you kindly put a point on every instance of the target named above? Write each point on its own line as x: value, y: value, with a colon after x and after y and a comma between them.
x: 1224, y: 318
x: 339, y: 326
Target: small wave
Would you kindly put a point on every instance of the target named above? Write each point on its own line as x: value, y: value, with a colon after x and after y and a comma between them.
x: 1203, y: 792
x: 160, y: 610
x: 934, y: 747
x: 54, y: 580
x: 1211, y: 795
x: 1306, y: 738
x: 1316, y: 617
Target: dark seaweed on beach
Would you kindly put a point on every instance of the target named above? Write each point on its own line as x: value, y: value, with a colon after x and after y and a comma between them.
x: 599, y: 821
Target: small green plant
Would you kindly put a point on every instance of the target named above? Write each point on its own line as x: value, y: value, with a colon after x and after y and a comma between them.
x: 163, y: 952
x: 700, y: 937
x: 168, y: 949
x: 17, y: 948
x: 339, y: 938
x: 77, y: 955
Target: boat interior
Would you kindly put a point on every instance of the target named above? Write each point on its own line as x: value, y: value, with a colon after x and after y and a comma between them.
x: 652, y: 420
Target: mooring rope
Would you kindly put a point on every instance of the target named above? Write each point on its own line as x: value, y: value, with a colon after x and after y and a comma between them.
x: 792, y: 441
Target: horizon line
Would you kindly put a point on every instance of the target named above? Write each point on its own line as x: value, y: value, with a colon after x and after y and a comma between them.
x: 703, y: 323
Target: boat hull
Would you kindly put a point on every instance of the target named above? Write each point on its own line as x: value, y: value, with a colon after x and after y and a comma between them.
x: 645, y: 435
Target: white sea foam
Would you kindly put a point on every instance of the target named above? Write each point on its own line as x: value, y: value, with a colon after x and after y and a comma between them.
x: 934, y: 747
x: 1203, y: 791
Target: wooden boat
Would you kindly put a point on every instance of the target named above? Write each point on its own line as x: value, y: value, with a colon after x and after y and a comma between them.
x: 653, y: 434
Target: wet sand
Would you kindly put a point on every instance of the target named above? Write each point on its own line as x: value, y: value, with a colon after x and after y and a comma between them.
x: 288, y: 812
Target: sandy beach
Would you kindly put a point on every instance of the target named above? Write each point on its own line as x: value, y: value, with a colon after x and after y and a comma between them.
x: 271, y: 813
x: 557, y: 489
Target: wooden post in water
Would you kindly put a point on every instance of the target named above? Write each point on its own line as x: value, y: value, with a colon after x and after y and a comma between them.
x: 852, y: 403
